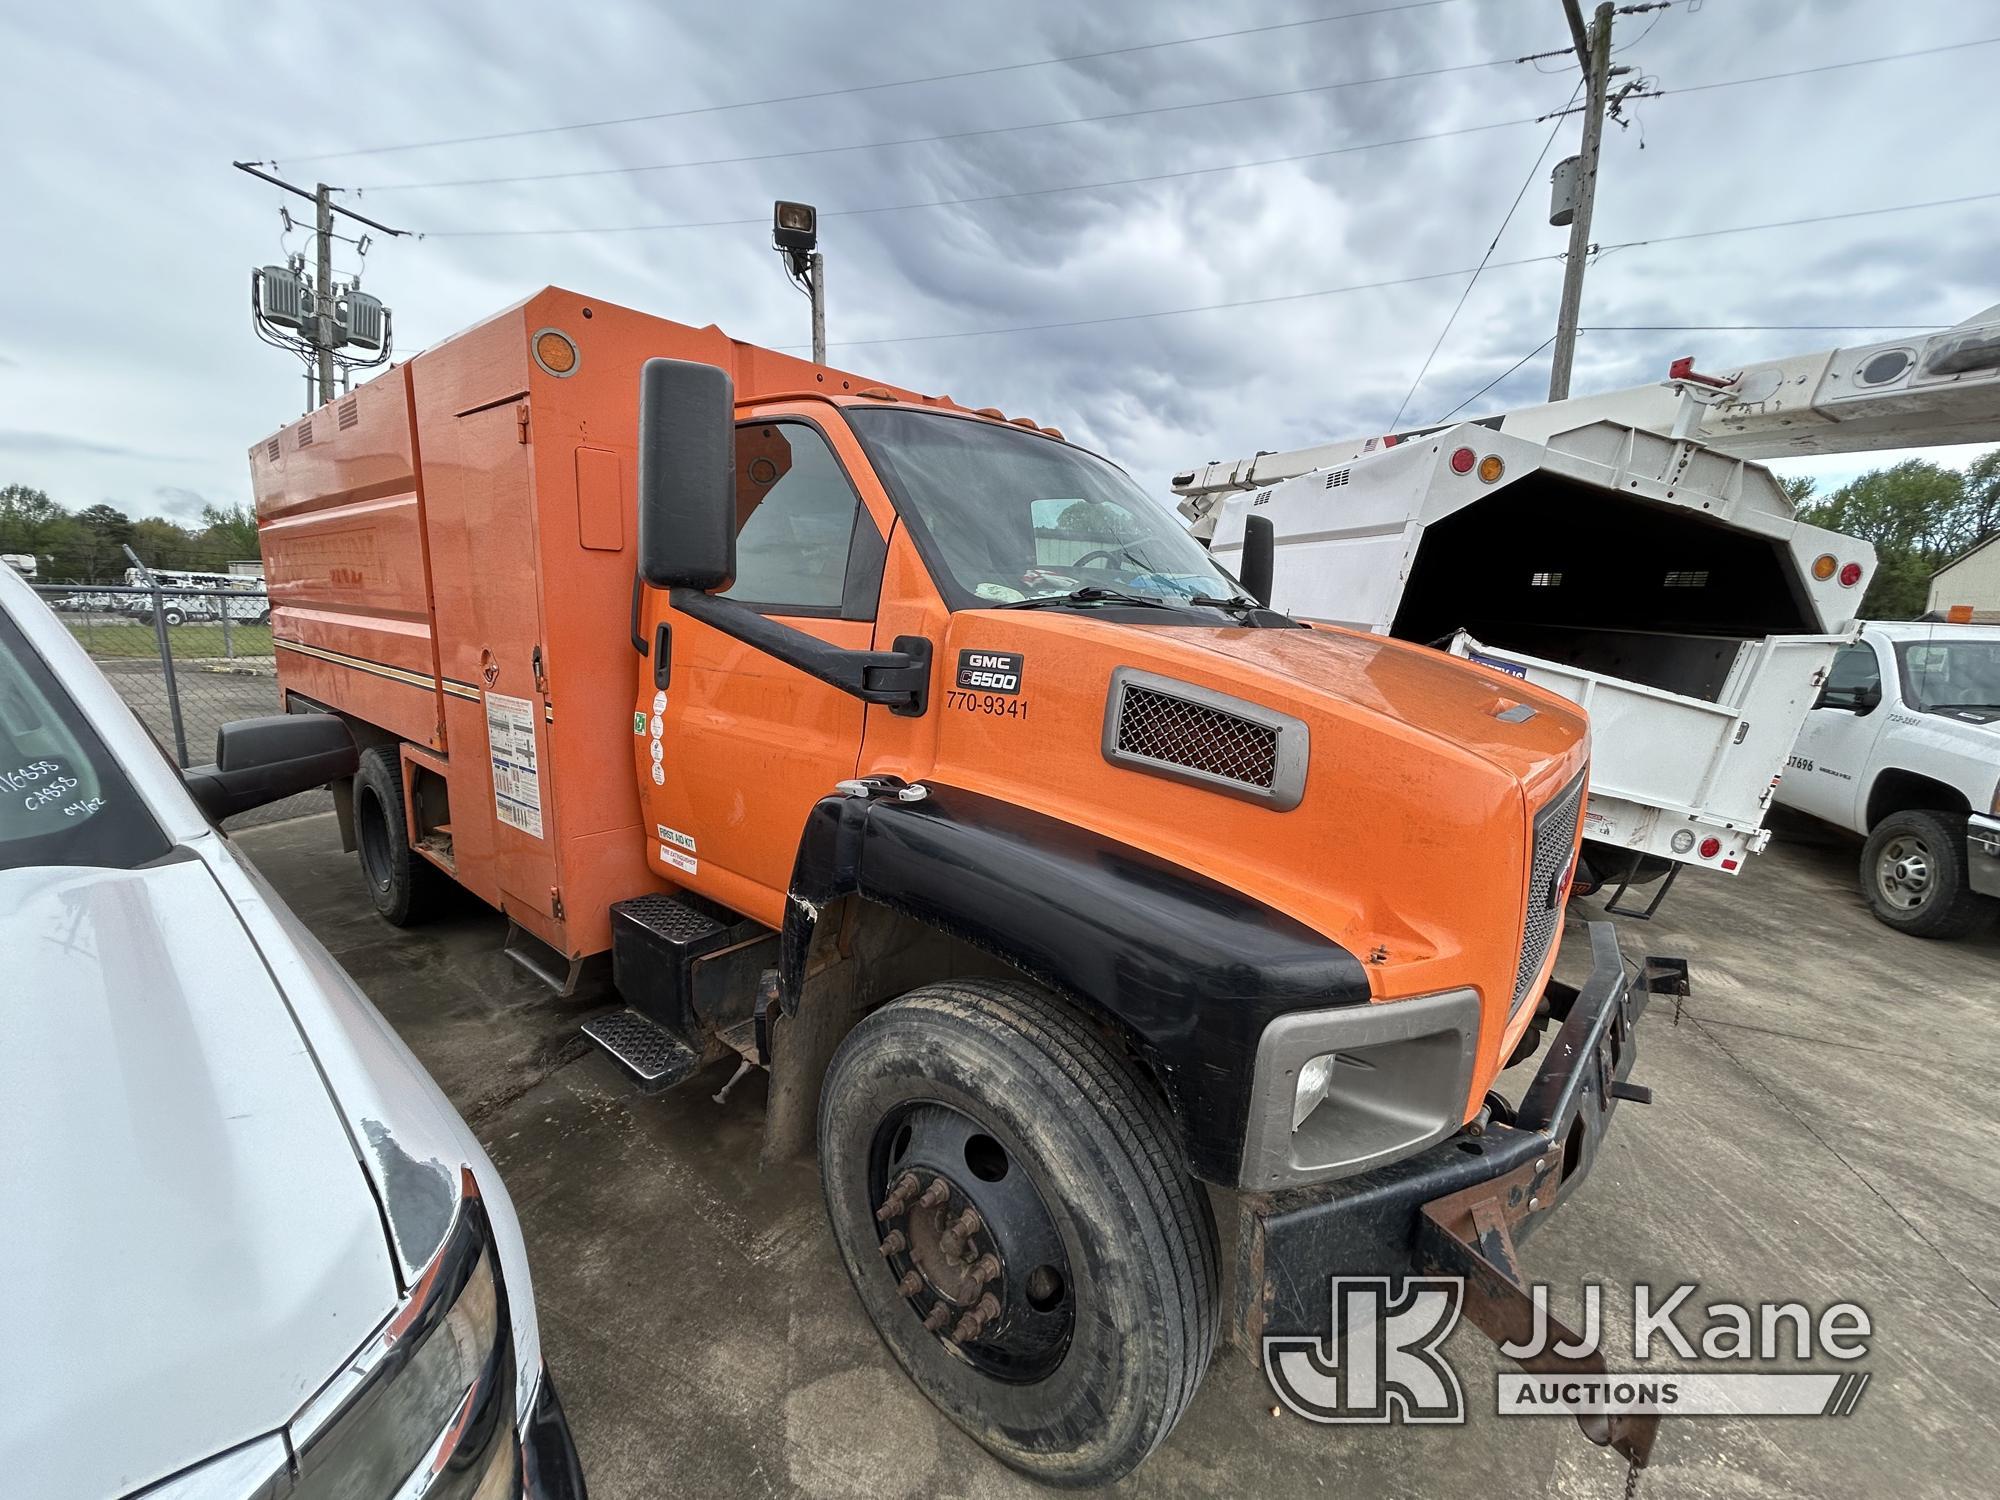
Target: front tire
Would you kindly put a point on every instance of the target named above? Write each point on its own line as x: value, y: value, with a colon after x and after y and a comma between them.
x: 403, y: 885
x: 1069, y: 1327
x: 1913, y: 874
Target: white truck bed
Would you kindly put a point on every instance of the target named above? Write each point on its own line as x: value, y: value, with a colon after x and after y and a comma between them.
x: 1662, y: 763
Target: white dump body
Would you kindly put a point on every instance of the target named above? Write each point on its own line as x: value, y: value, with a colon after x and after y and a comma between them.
x: 1663, y: 762
x: 1666, y: 588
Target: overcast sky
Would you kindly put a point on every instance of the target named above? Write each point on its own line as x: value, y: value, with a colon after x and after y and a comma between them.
x: 128, y: 371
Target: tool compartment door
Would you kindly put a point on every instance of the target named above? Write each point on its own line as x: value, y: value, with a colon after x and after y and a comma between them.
x: 485, y: 578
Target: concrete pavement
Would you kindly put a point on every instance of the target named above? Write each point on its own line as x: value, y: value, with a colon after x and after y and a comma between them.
x: 1820, y: 1135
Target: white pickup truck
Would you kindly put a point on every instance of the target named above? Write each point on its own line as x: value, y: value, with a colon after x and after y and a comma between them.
x: 1903, y: 747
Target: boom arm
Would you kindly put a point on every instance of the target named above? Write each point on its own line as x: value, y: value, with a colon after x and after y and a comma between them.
x: 1900, y: 393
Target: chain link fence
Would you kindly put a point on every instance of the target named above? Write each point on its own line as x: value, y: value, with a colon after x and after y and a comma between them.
x: 187, y: 661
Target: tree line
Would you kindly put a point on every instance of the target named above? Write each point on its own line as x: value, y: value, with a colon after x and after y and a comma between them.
x: 88, y: 545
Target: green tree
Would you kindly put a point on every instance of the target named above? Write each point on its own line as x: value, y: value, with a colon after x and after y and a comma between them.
x: 161, y: 543
x: 1798, y: 488
x: 229, y: 533
x: 1982, y: 498
x: 105, y: 531
x: 29, y: 520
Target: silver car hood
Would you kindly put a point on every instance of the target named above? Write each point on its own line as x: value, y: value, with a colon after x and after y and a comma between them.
x: 189, y: 1242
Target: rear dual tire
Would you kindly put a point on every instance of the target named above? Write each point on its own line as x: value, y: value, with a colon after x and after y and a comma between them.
x: 404, y: 886
x: 1122, y: 1239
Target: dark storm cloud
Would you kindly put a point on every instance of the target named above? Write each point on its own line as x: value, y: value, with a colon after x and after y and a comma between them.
x: 132, y: 290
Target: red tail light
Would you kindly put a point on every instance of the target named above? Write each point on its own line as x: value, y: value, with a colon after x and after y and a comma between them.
x: 1710, y: 847
x: 1850, y: 575
x: 1462, y: 460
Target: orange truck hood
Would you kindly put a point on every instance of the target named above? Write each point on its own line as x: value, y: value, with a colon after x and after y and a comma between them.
x: 1440, y: 695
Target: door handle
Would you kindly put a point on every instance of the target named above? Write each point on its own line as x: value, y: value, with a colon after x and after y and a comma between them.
x: 663, y: 654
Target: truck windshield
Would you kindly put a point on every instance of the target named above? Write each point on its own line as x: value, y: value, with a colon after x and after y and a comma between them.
x: 1943, y: 675
x: 1011, y: 515
x: 63, y: 799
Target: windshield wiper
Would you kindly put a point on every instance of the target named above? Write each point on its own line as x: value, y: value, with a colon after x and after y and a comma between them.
x: 1234, y: 606
x: 1090, y: 593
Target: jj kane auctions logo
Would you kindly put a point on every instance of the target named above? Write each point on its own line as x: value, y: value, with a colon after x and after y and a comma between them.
x: 1384, y: 1361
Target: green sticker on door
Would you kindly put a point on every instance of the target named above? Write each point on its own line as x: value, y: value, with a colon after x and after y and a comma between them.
x: 638, y: 723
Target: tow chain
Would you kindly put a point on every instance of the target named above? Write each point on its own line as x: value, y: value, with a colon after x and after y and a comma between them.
x: 1632, y: 1472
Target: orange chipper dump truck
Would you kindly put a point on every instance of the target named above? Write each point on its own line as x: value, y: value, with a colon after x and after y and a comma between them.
x: 1069, y: 894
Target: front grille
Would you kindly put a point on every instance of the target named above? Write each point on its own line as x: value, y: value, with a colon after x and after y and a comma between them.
x: 1197, y: 734
x: 1158, y: 726
x: 1555, y: 838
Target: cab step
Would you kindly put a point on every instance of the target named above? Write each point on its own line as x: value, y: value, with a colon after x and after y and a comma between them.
x: 654, y: 1057
x: 686, y: 964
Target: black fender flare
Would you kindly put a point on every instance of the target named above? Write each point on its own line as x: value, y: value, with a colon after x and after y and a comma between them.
x: 1192, y: 968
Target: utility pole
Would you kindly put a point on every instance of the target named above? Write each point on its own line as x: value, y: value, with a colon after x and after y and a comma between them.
x: 323, y: 215
x: 818, y: 273
x: 1593, y: 52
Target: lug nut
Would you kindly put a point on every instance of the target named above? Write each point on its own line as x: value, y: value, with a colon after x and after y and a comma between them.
x: 969, y: 1326
x: 936, y: 1194
x: 910, y: 1285
x: 900, y: 1193
x: 893, y: 1243
x: 986, y: 1269
x: 963, y: 1228
x: 936, y: 1318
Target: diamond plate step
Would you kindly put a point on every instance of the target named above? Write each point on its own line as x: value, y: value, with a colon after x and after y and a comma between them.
x: 654, y: 1057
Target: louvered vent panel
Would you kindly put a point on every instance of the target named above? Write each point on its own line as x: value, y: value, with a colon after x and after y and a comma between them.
x: 305, y: 434
x: 350, y: 412
x: 272, y: 450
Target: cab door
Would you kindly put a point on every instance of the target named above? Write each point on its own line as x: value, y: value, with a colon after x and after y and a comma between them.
x: 734, y: 747
x: 1825, y: 775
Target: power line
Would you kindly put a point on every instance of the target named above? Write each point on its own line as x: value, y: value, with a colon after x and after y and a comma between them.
x: 1363, y: 286
x: 1859, y: 62
x: 1122, y: 181
x: 1760, y: 327
x: 1497, y: 379
x: 1494, y: 244
x: 1074, y: 187
x: 922, y: 140
x: 866, y: 88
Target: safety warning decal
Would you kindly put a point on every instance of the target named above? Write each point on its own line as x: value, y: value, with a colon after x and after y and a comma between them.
x: 510, y: 741
x: 674, y: 836
x: 685, y: 863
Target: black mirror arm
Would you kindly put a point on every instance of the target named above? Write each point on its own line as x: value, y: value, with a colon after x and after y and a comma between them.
x: 898, y: 679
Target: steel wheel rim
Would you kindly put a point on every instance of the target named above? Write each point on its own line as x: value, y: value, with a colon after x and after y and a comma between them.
x: 999, y: 1295
x: 1904, y: 872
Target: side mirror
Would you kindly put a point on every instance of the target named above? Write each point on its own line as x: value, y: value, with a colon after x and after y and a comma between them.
x: 687, y: 476
x: 1260, y: 555
x: 260, y: 760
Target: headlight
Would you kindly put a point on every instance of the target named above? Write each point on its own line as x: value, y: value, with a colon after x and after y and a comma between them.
x: 427, y: 1407
x: 1314, y: 1079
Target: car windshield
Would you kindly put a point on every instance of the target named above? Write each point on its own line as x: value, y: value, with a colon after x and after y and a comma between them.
x: 63, y: 799
x: 1013, y: 516
x: 1944, y: 674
